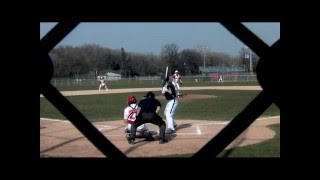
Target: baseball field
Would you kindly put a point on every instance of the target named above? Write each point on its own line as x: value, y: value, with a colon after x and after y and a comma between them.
x: 203, y: 110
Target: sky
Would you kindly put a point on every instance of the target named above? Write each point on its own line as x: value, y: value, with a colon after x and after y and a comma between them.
x: 151, y: 37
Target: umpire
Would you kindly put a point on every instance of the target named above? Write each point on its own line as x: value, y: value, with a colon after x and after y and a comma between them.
x: 147, y: 112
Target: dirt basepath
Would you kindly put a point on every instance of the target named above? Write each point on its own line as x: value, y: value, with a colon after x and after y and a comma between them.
x: 112, y: 91
x: 61, y: 139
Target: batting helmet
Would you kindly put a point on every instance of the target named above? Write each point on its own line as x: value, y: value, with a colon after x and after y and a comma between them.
x: 132, y: 99
x: 176, y: 71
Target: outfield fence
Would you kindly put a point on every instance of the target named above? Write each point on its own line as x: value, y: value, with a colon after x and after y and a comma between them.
x: 152, y: 80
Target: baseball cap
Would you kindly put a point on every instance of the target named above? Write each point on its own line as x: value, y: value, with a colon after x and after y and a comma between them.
x: 149, y: 94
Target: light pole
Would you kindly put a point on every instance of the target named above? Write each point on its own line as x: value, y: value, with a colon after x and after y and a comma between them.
x: 250, y: 58
x: 204, y: 60
x: 204, y: 48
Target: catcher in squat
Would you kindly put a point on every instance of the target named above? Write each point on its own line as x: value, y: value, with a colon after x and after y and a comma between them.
x: 147, y: 112
x: 129, y: 116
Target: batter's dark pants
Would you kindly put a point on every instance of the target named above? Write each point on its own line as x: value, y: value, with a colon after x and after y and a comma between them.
x: 153, y: 118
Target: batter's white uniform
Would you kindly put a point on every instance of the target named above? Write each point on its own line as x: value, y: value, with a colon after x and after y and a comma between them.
x: 175, y: 81
x: 130, y: 116
x: 169, y: 92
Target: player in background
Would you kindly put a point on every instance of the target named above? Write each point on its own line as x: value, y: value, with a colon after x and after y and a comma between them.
x: 220, y: 79
x: 176, y: 81
x: 103, y: 84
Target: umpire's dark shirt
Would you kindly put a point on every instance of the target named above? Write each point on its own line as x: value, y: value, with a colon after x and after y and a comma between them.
x: 149, y: 105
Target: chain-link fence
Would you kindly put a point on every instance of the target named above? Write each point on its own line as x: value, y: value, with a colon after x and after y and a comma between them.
x: 245, y: 77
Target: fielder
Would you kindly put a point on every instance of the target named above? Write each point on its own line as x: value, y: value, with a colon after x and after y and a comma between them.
x: 103, y: 84
x: 176, y: 81
x: 129, y: 116
x: 220, y: 79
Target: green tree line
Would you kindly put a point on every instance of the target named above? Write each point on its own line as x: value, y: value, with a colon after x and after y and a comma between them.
x: 94, y: 59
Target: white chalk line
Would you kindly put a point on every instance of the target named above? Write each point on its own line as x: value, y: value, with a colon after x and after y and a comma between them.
x: 197, y: 126
x: 270, y: 117
x: 105, y: 127
x: 226, y: 122
x: 98, y: 126
x: 57, y: 120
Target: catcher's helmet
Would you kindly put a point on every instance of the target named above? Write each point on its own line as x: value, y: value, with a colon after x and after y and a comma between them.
x: 131, y: 100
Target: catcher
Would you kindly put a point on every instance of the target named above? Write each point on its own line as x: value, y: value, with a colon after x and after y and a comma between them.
x: 130, y: 113
x: 176, y: 81
x: 147, y: 112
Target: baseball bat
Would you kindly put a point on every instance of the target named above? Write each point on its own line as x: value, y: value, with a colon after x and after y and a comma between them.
x: 165, y: 77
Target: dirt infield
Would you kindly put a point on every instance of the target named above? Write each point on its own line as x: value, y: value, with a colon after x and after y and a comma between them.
x: 61, y: 139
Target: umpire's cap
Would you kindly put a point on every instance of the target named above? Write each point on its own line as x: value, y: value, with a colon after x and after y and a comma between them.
x: 149, y: 95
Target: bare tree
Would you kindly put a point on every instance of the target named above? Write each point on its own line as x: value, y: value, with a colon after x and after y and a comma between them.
x: 169, y: 54
x: 191, y: 61
x: 123, y: 59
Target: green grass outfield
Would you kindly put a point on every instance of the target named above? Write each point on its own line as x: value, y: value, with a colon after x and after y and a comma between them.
x: 121, y: 84
x: 103, y: 107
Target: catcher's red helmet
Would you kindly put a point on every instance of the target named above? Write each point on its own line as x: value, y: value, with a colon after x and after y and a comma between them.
x: 132, y: 99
